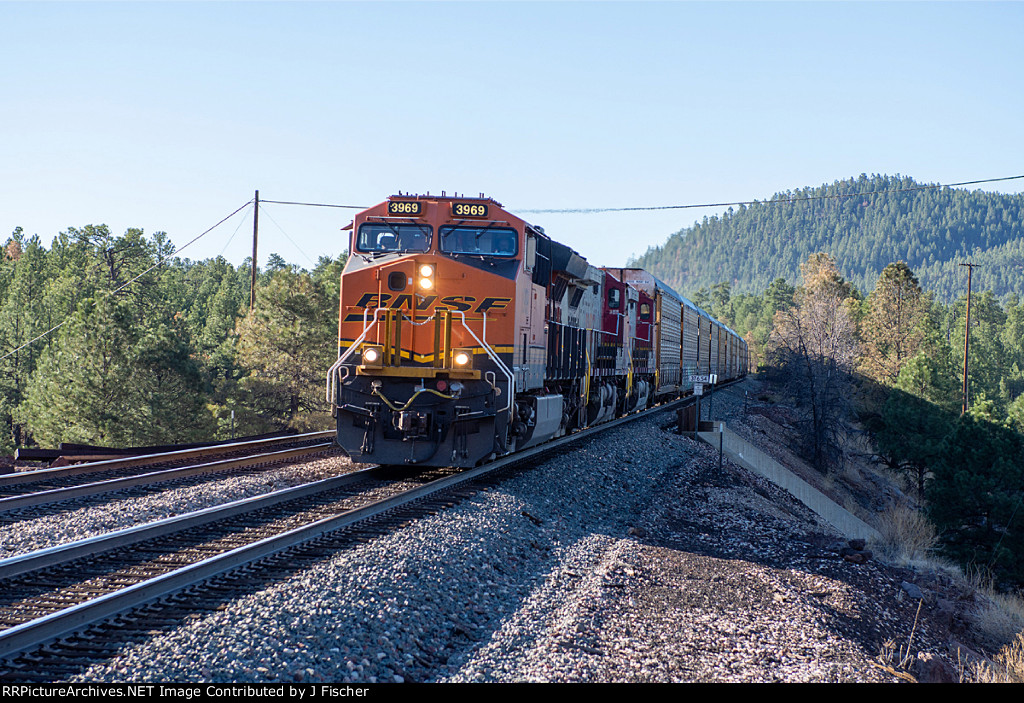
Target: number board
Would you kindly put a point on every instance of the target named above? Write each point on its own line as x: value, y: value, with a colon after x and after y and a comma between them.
x: 469, y: 210
x: 404, y: 207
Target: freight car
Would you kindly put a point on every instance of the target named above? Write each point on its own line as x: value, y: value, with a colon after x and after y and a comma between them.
x: 465, y: 333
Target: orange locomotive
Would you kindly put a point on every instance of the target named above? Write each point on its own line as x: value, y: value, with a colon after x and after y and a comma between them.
x: 465, y: 332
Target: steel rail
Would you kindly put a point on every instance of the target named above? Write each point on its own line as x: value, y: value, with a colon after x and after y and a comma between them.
x: 45, y: 629
x: 52, y: 556
x: 147, y: 459
x: 60, y: 494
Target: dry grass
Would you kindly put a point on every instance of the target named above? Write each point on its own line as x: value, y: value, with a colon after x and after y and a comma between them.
x: 905, y: 483
x: 999, y: 618
x: 1007, y: 667
x: 907, y: 537
x: 857, y: 443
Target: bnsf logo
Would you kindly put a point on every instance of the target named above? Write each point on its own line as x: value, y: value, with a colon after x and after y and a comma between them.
x: 453, y: 302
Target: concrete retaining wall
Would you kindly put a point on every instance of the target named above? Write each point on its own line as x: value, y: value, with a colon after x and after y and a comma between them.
x: 742, y: 452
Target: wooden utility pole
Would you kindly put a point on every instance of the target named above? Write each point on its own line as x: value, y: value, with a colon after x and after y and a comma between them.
x: 255, y: 234
x: 967, y: 332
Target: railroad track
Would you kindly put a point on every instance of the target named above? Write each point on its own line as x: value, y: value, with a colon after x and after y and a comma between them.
x: 53, y: 592
x: 56, y: 592
x: 28, y: 489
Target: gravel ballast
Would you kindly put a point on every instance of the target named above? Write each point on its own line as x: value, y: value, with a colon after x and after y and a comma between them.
x: 628, y: 558
x: 81, y: 518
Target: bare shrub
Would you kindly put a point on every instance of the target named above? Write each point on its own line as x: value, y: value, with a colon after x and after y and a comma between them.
x: 814, y: 349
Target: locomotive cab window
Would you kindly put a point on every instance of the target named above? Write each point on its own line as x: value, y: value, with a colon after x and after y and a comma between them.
x: 383, y: 237
x: 645, y: 312
x: 482, y: 241
x: 614, y: 298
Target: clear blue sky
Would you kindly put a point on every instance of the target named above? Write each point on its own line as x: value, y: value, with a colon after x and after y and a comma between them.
x: 168, y: 116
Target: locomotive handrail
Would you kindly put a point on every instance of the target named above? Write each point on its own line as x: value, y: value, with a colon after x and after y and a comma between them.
x: 494, y: 357
x: 574, y: 327
x: 332, y: 372
x: 586, y: 379
x: 332, y: 380
x: 369, y: 325
x: 629, y: 370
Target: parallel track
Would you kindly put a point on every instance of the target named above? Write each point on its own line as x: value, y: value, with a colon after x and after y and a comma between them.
x: 53, y: 592
x: 34, y: 488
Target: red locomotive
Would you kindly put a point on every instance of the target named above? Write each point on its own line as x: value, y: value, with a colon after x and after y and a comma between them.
x: 465, y: 332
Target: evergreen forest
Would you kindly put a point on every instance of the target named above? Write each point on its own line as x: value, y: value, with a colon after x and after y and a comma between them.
x: 866, y: 223
x: 175, y: 357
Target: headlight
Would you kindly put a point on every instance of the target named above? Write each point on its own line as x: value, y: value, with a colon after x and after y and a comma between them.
x: 462, y: 357
x: 426, y: 281
x: 373, y: 355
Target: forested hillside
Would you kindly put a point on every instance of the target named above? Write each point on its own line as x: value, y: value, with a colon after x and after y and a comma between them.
x: 932, y: 230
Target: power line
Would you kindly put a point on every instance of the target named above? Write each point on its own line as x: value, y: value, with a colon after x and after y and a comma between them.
x: 241, y: 222
x: 285, y: 233
x: 161, y: 262
x: 292, y: 202
x: 781, y: 201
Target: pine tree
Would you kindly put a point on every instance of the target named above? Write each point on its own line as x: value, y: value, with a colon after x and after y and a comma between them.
x: 287, y: 344
x: 975, y: 496
x: 893, y: 327
x: 24, y: 315
x: 81, y: 390
x: 109, y: 380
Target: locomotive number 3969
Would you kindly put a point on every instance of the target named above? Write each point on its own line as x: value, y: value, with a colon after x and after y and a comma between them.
x: 469, y: 210
x: 403, y: 208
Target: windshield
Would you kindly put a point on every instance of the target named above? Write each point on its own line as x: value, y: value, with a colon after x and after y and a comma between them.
x: 392, y: 236
x: 486, y: 241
